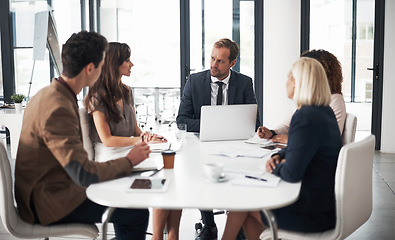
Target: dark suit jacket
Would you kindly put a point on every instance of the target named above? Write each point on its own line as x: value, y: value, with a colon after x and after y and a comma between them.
x: 52, y: 168
x: 197, y: 93
x: 314, y: 144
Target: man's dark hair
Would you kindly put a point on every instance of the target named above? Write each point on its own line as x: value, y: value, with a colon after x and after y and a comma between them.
x: 81, y: 49
x: 229, y: 44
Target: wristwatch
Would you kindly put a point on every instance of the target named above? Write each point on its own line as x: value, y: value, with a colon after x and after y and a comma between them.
x: 273, y: 132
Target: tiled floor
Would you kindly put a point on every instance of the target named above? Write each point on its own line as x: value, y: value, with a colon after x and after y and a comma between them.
x: 381, y: 224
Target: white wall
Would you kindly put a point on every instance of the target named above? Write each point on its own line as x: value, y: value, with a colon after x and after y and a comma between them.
x: 281, y: 50
x: 388, y: 114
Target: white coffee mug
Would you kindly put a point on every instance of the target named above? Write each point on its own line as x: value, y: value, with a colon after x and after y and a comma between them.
x: 213, y: 171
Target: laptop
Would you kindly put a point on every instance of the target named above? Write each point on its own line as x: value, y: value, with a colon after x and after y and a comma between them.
x: 227, y: 122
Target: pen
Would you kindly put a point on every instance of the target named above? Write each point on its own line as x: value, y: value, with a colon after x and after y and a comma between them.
x: 256, y: 178
x: 155, y: 172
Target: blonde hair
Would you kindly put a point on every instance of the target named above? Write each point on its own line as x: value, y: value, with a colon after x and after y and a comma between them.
x: 311, y: 84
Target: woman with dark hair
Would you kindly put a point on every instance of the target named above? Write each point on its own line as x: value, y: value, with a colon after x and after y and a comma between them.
x: 114, y: 128
x: 110, y: 105
x: 333, y: 70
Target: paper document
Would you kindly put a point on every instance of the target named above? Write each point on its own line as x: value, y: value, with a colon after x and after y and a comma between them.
x: 265, y: 143
x: 158, y: 147
x: 241, y: 151
x: 257, y: 140
x: 257, y: 180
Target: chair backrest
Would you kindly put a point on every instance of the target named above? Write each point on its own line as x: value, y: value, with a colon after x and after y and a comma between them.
x: 8, y: 211
x: 353, y: 193
x: 353, y: 187
x: 21, y: 229
x: 85, y: 126
x: 350, y: 127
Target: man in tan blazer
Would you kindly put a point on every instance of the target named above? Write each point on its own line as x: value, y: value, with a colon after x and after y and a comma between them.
x: 52, y: 168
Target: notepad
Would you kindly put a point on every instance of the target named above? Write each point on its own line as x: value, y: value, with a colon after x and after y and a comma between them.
x: 158, y: 147
x: 152, y: 163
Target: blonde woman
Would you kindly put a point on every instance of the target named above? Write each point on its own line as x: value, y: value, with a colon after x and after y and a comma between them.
x: 311, y: 157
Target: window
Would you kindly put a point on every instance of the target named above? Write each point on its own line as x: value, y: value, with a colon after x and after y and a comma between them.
x: 152, y: 31
x: 331, y: 28
x: 331, y: 24
x: 67, y: 18
x: 1, y: 78
x: 209, y: 25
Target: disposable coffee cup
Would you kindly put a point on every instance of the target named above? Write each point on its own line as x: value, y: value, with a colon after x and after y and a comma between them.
x: 213, y: 171
x: 168, y: 158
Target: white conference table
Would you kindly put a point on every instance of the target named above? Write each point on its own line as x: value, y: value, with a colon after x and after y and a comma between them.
x: 189, y: 188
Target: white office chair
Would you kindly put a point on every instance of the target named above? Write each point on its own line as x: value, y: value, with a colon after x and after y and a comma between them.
x: 85, y: 125
x: 87, y: 142
x: 21, y: 229
x: 353, y: 191
x: 350, y: 127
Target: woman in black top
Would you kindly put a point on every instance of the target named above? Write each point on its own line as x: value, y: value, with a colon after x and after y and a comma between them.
x: 311, y: 156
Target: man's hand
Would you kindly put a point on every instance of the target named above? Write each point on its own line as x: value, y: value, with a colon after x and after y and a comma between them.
x: 264, y: 132
x: 139, y: 153
x: 272, y: 162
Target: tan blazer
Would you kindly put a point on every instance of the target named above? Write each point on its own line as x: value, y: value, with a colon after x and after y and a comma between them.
x: 52, y: 168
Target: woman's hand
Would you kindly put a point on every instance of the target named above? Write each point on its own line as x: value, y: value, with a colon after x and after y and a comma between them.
x: 273, y: 162
x: 264, y: 132
x: 281, y: 138
x: 152, y: 138
x: 158, y: 139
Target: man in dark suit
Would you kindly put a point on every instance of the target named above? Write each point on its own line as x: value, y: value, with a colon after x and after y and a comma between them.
x: 218, y: 86
x: 202, y: 88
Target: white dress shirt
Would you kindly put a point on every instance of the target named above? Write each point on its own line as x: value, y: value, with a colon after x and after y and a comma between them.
x: 214, y: 90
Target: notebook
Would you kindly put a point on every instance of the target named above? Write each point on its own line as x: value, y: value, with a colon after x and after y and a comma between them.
x: 227, y: 122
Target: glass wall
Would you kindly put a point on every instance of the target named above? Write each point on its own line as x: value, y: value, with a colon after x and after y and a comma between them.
x: 152, y: 30
x: 1, y: 78
x: 331, y: 23
x: 23, y: 22
x: 208, y: 25
x: 67, y: 20
x: 247, y: 47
